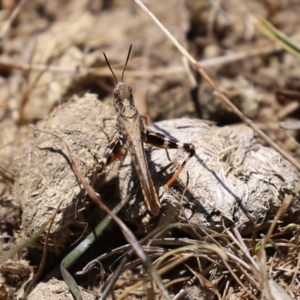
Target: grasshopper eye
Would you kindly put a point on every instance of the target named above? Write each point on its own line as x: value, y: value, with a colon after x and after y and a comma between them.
x: 116, y: 94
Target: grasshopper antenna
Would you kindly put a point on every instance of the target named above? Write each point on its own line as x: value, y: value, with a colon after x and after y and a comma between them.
x: 108, y: 64
x: 129, y: 51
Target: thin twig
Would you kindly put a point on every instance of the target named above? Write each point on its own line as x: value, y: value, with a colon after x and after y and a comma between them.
x: 11, y: 18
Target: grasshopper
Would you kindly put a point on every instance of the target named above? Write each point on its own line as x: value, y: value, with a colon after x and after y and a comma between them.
x: 132, y: 133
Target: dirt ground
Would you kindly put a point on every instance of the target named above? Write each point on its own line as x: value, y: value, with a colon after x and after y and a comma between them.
x: 53, y: 75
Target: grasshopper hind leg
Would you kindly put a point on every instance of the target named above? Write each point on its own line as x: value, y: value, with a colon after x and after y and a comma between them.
x: 160, y: 140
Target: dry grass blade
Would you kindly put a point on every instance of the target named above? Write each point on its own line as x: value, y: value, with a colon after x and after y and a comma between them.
x: 125, y: 230
x: 171, y: 264
x: 210, y: 82
x: 6, y: 174
x: 171, y: 259
x: 280, y: 211
x: 11, y: 18
x: 156, y: 232
x: 43, y: 261
x: 28, y: 241
x: 205, y: 282
x: 270, y: 31
x: 258, y: 265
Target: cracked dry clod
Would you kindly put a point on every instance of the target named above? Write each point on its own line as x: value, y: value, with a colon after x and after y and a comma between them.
x: 231, y: 175
x: 45, y: 177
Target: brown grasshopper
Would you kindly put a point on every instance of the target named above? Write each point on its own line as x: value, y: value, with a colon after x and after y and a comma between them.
x: 132, y: 132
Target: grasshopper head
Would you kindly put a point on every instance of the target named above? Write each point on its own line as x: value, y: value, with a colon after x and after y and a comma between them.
x: 122, y: 91
x: 123, y: 100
